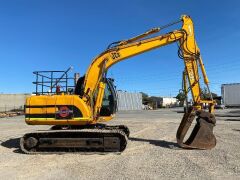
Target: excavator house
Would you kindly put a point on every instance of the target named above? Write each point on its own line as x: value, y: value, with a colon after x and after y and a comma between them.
x: 77, y: 117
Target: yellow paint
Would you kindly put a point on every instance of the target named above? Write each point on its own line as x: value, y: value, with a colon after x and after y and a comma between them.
x: 53, y: 121
x: 98, y: 105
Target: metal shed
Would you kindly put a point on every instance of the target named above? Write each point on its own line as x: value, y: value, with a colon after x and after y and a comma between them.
x: 129, y: 101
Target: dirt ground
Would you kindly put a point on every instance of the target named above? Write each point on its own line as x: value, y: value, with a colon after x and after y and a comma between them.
x: 152, y: 152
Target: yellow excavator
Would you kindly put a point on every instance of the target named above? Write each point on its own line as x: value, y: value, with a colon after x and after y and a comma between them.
x: 78, y: 117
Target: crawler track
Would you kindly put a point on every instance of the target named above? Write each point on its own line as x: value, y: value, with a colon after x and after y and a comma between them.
x: 74, y: 140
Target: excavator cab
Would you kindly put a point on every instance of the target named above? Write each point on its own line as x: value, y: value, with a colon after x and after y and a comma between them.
x: 109, y: 103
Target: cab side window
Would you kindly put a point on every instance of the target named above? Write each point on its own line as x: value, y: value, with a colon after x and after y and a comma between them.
x: 109, y: 100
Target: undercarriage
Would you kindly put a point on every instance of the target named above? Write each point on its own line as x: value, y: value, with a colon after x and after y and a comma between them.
x: 63, y: 139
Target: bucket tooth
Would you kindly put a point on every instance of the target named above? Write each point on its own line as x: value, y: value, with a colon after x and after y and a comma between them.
x: 202, y: 136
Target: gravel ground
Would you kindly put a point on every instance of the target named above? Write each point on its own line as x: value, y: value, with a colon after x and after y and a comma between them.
x: 152, y: 152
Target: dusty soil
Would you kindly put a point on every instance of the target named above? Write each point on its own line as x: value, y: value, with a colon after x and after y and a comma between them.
x: 152, y: 152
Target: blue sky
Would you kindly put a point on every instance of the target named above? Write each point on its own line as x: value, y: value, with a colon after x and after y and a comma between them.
x: 53, y: 35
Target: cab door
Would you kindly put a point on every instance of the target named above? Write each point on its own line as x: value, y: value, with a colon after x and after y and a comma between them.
x: 109, y: 103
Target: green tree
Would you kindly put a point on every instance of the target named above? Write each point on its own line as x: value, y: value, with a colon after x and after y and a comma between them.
x: 181, y: 97
x: 153, y: 101
x: 145, y: 98
x: 205, y: 95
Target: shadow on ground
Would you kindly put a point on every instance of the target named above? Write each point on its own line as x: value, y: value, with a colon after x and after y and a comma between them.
x: 12, y: 144
x: 178, y: 111
x: 161, y: 143
x: 227, y: 115
x: 235, y: 111
x: 232, y: 119
x: 236, y: 130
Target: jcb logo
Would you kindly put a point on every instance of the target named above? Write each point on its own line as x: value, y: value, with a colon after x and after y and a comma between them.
x: 115, y: 55
x: 191, y: 75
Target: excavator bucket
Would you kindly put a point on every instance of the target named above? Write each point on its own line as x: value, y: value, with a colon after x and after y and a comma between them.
x: 202, y: 136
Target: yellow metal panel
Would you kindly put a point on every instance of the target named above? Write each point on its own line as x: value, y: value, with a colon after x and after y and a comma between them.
x: 99, y: 98
x: 56, y: 100
x: 53, y: 121
x: 190, y: 51
x: 105, y: 118
x: 50, y: 110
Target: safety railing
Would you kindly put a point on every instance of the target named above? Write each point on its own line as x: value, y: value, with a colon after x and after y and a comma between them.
x: 53, y: 82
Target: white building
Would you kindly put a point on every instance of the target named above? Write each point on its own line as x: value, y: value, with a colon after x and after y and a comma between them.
x: 231, y: 94
x: 169, y: 102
